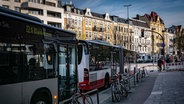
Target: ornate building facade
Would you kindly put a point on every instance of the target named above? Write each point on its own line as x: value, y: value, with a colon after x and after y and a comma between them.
x: 157, y: 25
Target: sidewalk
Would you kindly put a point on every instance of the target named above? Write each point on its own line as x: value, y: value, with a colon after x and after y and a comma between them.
x: 168, y: 89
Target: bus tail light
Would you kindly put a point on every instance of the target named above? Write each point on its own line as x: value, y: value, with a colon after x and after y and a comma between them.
x: 86, y: 74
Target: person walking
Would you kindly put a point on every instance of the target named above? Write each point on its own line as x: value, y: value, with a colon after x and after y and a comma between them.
x: 159, y: 63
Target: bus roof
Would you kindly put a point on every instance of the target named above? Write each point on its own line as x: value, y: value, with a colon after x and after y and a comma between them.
x: 102, y: 43
x: 34, y: 20
x: 98, y: 42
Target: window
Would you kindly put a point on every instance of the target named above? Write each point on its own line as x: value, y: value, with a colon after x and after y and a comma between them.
x: 68, y: 9
x: 34, y: 1
x: 50, y: 4
x: 21, y: 62
x: 69, y: 20
x: 5, y: 6
x: 88, y: 13
x: 90, y: 22
x: 86, y: 22
x: 53, y: 14
x: 55, y: 24
x: 95, y: 35
x: 95, y: 23
x: 87, y: 34
x: 36, y: 11
x: 17, y: 9
x: 101, y: 25
x: 75, y: 21
x: 17, y: 1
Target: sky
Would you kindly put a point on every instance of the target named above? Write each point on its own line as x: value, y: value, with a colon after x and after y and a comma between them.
x: 171, y: 11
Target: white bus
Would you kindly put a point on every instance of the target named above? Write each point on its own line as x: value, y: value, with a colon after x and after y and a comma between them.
x: 38, y: 63
x: 97, y: 62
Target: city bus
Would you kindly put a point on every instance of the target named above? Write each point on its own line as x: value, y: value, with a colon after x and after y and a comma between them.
x: 38, y: 63
x: 97, y: 62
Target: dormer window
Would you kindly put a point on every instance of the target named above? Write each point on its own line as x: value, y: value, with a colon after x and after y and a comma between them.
x: 88, y: 12
x: 68, y: 9
x: 74, y: 10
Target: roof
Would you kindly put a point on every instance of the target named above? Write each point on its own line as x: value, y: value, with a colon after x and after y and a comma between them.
x: 153, y: 16
x: 139, y: 23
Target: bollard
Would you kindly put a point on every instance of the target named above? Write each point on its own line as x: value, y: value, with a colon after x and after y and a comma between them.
x: 134, y: 80
x: 97, y: 97
x: 134, y: 75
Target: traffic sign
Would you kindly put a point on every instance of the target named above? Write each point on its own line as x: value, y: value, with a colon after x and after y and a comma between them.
x: 163, y: 45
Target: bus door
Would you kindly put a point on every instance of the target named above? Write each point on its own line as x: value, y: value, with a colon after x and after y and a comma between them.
x: 113, y: 64
x: 67, y: 70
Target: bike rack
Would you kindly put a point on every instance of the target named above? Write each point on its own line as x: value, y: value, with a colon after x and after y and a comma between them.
x: 89, y: 92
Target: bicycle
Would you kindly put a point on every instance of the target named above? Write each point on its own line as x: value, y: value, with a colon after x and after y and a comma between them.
x: 125, y: 82
x: 118, y: 88
x: 81, y: 98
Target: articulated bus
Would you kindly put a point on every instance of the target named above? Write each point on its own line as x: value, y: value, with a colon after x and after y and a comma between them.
x: 97, y: 62
x: 38, y: 63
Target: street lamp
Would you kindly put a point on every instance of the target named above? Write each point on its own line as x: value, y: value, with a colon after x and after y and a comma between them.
x: 127, y: 6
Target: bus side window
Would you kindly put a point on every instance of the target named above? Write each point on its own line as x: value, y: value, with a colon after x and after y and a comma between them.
x: 9, y: 68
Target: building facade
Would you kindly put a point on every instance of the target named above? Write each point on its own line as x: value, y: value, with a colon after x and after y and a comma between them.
x: 49, y: 11
x: 157, y: 25
x: 73, y: 20
x: 142, y: 44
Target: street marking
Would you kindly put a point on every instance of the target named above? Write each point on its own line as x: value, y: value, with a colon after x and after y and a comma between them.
x: 156, y: 92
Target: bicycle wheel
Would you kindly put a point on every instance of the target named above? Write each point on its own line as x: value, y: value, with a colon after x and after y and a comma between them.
x: 88, y: 99
x: 124, y: 91
x: 74, y: 100
x: 115, y: 93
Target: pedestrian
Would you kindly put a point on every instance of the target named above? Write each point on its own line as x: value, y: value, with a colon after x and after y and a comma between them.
x: 143, y: 72
x: 159, y: 63
x: 163, y: 64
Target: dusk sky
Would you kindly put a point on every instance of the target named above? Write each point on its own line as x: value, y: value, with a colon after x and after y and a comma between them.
x: 171, y: 11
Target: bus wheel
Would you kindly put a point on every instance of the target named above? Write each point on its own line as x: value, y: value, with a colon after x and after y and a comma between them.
x: 41, y: 97
x: 106, y: 81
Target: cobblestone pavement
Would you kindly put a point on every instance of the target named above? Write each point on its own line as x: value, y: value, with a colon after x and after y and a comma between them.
x: 168, y: 89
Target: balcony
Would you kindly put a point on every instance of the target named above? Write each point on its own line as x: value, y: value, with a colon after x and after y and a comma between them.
x: 102, y: 29
x: 143, y: 44
x: 29, y: 4
x: 95, y: 28
x: 70, y: 26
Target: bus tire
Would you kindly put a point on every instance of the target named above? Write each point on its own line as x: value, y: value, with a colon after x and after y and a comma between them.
x: 106, y: 85
x: 42, y: 96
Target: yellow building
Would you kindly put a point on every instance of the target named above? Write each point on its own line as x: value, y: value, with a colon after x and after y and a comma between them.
x: 73, y: 20
x: 97, y: 26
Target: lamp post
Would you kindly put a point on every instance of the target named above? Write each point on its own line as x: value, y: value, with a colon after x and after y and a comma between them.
x: 127, y: 6
x: 163, y: 46
x: 152, y: 36
x: 163, y: 41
